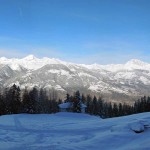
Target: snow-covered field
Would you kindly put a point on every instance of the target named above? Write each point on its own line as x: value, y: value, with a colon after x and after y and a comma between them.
x: 71, y: 131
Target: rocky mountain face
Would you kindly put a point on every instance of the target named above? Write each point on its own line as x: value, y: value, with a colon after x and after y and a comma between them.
x: 113, y: 82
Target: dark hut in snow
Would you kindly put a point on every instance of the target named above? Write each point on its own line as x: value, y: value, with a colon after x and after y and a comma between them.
x: 68, y: 107
x: 64, y: 107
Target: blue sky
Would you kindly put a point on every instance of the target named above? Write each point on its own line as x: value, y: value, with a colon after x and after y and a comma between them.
x: 80, y: 31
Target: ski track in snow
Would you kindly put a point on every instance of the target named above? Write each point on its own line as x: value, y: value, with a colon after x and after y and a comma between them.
x: 69, y: 131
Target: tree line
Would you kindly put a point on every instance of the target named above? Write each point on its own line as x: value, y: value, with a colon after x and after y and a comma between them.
x: 99, y: 107
x: 35, y: 101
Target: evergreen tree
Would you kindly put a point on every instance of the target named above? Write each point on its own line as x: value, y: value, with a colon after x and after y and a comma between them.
x: 148, y: 104
x: 100, y: 106
x: 2, y: 105
x: 120, y: 109
x: 94, y: 106
x: 77, y: 102
x: 67, y: 98
x: 43, y: 102
x: 115, y: 110
x: 14, y: 100
x: 110, y: 110
x: 83, y: 98
x: 26, y: 102
x: 33, y: 98
x: 88, y: 104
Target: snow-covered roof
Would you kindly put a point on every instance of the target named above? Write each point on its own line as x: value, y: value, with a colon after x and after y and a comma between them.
x: 83, y: 105
x: 65, y: 105
x: 69, y: 105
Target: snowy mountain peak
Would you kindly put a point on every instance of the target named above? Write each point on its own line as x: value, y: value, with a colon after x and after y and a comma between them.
x: 30, y: 57
x: 136, y: 62
x: 54, y: 73
x: 3, y: 58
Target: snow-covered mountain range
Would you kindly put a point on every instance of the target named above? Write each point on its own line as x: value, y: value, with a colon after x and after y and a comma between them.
x: 113, y: 81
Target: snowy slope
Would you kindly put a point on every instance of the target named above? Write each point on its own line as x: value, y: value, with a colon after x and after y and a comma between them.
x: 71, y: 131
x: 130, y: 79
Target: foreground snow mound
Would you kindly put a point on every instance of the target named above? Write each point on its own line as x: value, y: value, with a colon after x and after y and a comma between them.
x: 137, y: 127
x: 72, y: 131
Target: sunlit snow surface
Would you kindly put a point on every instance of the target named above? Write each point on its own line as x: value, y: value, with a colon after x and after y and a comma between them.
x: 71, y: 131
